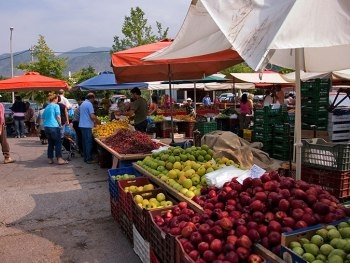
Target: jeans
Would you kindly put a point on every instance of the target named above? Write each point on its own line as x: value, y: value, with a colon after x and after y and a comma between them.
x: 78, y: 136
x: 142, y: 126
x: 19, y: 125
x: 87, y: 142
x: 53, y: 135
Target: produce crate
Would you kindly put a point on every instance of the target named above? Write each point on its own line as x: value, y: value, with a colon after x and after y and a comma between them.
x: 113, y: 184
x: 141, y: 246
x: 140, y: 215
x: 125, y: 198
x: 267, y: 112
x: 181, y: 255
x: 186, y: 127
x: 115, y: 209
x: 153, y: 257
x: 331, y: 156
x: 126, y: 226
x: 163, y: 244
x: 247, y: 135
x: 335, y: 182
x: 206, y: 127
x: 282, y: 129
x: 287, y: 254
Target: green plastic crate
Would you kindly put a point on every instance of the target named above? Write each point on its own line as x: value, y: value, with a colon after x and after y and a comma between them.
x: 206, y: 127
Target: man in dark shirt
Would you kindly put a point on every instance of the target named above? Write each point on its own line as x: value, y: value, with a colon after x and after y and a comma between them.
x: 138, y: 108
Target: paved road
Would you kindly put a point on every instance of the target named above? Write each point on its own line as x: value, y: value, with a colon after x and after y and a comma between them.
x: 56, y: 213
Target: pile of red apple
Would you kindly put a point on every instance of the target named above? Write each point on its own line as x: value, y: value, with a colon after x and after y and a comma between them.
x: 237, y: 215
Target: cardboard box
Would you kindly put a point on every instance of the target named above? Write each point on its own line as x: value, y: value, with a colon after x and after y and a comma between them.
x: 308, y: 134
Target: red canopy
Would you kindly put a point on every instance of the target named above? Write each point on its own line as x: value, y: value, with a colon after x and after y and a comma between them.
x: 128, y: 65
x: 32, y: 81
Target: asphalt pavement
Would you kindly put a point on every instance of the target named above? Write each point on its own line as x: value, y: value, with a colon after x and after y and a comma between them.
x: 56, y: 213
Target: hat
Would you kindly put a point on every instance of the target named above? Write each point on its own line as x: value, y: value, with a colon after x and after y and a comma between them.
x: 189, y: 99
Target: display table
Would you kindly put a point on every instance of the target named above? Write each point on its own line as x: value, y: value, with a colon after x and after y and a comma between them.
x: 177, y: 195
x: 121, y: 160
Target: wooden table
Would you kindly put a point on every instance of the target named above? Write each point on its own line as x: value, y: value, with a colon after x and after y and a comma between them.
x: 119, y: 158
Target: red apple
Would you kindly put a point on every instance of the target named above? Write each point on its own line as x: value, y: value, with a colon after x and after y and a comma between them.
x: 216, y: 245
x: 244, y: 241
x: 242, y: 252
x: 254, y: 258
x: 194, y: 254
x: 203, y: 246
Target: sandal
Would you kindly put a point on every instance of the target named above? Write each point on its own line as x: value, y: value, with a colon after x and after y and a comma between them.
x: 61, y: 162
x: 50, y: 161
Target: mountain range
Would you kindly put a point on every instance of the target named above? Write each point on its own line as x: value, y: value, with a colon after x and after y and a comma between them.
x: 77, y: 59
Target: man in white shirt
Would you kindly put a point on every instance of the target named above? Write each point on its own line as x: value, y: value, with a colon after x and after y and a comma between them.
x: 64, y: 100
x: 268, y: 100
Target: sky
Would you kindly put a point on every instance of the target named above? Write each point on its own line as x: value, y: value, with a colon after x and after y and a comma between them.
x: 70, y: 24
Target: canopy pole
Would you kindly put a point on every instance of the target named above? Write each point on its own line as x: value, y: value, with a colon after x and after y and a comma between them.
x: 195, y: 97
x: 171, y: 104
x: 298, y: 144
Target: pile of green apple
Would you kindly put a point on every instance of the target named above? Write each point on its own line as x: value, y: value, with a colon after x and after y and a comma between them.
x: 152, y: 203
x: 184, y: 169
x: 329, y: 244
x: 122, y: 177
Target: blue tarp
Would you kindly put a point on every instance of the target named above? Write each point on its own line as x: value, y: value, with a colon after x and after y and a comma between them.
x: 106, y: 81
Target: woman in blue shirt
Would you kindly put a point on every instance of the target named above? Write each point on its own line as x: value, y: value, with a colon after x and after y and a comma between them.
x: 52, y: 125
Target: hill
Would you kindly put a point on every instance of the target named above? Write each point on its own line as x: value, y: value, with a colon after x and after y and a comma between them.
x: 98, y: 58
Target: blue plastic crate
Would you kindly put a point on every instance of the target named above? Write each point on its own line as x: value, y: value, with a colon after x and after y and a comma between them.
x: 113, y: 184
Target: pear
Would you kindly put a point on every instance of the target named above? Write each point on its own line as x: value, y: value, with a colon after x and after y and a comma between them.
x: 311, y: 248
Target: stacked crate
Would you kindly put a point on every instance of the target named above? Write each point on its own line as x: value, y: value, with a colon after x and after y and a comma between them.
x: 264, y: 120
x: 314, y: 103
x: 328, y: 165
x: 283, y: 137
x: 339, y: 125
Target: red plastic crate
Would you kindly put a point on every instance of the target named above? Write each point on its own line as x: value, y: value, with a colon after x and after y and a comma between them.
x: 126, y: 226
x: 125, y: 198
x: 140, y: 216
x: 153, y: 257
x: 335, y: 182
x: 115, y: 209
x: 162, y: 244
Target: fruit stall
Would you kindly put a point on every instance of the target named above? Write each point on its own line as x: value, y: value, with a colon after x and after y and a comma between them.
x: 187, y: 218
x: 189, y: 205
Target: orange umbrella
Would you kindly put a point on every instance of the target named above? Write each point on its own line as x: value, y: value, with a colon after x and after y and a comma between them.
x: 32, y: 81
x: 128, y: 65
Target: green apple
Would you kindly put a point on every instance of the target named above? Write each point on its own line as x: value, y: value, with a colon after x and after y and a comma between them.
x: 160, y: 197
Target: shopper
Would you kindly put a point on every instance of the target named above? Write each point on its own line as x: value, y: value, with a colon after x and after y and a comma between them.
x: 3, y: 139
x: 87, y: 121
x: 40, y: 123
x: 29, y: 119
x: 189, y: 108
x: 19, y: 109
x: 64, y: 100
x: 64, y: 115
x: 52, y: 124
x: 245, y: 113
x: 76, y: 118
x: 153, y: 107
x: 138, y: 109
x: 268, y: 99
x: 206, y: 101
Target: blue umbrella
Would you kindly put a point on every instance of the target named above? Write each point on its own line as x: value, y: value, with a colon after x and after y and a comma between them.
x: 106, y: 81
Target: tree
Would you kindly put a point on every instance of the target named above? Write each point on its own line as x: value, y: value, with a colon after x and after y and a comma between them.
x: 137, y: 32
x: 78, y: 77
x: 47, y: 64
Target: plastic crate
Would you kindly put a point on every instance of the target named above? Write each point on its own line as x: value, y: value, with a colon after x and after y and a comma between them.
x: 283, y: 155
x: 330, y: 156
x: 206, y: 127
x: 187, y: 128
x: 163, y: 244
x: 335, y: 182
x: 115, y: 209
x: 125, y: 198
x: 113, y: 184
x: 267, y: 111
x: 247, y: 135
x: 140, y: 215
x: 126, y: 226
x: 153, y: 257
x: 141, y: 246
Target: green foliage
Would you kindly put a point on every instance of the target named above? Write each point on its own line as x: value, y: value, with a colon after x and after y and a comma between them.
x: 45, y: 62
x: 137, y: 32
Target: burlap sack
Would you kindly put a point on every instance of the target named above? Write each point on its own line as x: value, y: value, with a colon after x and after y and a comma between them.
x: 228, y: 144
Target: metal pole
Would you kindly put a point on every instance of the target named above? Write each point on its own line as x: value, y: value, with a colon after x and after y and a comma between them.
x: 11, y: 30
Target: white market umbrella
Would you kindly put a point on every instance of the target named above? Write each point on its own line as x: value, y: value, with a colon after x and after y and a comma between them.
x: 308, y: 35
